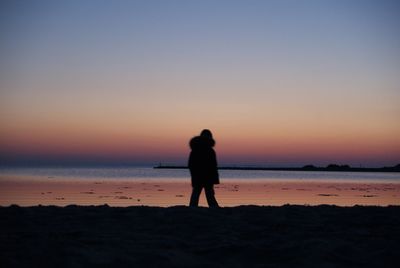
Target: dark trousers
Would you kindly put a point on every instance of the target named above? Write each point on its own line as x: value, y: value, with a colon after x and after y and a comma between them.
x: 210, y: 195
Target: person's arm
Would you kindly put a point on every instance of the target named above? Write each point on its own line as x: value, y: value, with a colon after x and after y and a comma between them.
x: 190, y: 161
x: 214, y: 159
x: 215, y: 166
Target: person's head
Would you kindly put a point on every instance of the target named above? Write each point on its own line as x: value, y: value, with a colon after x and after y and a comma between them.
x: 206, y: 133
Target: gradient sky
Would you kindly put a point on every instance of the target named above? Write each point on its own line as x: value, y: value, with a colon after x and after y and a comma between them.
x: 130, y: 82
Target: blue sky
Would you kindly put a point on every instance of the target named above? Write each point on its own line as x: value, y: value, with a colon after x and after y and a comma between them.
x: 302, y: 74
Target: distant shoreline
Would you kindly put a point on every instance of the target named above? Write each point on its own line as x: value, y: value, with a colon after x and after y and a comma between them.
x: 330, y: 168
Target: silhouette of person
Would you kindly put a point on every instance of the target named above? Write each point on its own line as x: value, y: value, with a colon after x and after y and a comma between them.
x: 203, y: 168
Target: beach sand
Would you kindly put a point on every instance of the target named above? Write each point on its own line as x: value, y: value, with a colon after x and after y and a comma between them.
x: 244, y: 236
x: 145, y: 223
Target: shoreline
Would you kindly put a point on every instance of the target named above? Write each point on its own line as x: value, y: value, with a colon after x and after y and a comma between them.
x: 28, y: 191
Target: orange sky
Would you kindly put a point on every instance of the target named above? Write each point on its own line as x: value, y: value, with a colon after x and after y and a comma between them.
x: 132, y: 83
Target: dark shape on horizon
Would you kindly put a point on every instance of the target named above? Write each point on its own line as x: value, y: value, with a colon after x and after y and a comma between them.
x: 309, y: 167
x: 337, y: 167
x: 203, y: 168
x: 331, y: 167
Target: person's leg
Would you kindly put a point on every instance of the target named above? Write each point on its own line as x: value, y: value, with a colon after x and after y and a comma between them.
x: 210, y: 195
x: 194, y: 199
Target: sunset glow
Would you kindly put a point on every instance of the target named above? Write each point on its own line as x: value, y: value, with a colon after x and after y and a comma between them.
x: 278, y: 84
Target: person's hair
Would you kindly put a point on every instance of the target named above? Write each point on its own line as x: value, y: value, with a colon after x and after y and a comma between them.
x: 206, y: 133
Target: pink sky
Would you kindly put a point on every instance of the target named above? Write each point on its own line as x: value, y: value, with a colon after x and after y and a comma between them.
x: 277, y: 84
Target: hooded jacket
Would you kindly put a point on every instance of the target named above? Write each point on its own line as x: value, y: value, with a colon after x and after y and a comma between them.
x: 203, y: 162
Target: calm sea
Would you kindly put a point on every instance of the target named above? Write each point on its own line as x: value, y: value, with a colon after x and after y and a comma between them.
x: 115, y: 173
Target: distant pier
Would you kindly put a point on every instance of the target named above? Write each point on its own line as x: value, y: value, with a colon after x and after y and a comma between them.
x: 329, y: 168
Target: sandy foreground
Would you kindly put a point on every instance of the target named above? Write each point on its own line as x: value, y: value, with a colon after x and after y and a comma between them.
x: 244, y: 236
